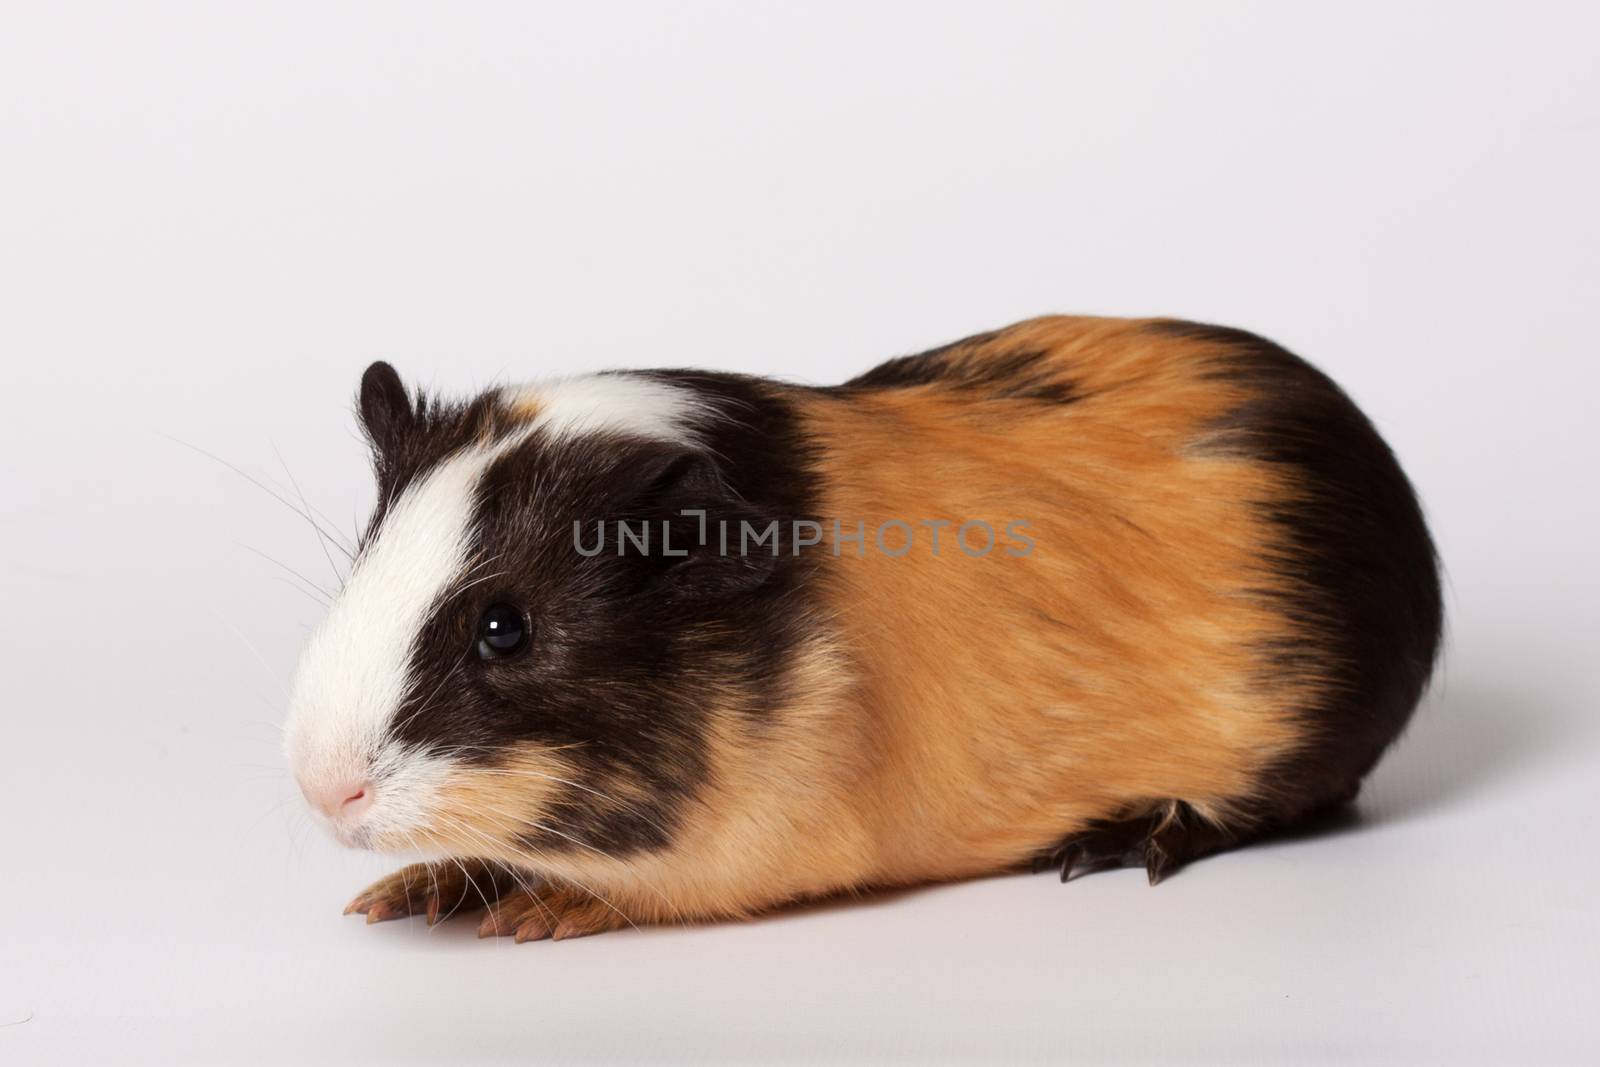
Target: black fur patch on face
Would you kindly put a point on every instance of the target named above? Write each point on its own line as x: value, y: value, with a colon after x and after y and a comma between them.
x: 982, y: 364
x: 627, y: 651
x: 1363, y: 565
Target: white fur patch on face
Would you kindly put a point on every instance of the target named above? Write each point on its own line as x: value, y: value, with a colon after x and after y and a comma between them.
x: 611, y: 403
x: 357, y: 670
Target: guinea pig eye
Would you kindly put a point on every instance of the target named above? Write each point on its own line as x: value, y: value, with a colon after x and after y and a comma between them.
x: 502, y: 631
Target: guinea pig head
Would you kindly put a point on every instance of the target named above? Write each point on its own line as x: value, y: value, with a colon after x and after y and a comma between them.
x: 504, y: 674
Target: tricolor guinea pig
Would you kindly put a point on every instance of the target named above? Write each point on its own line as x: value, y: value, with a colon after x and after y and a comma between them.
x: 669, y: 646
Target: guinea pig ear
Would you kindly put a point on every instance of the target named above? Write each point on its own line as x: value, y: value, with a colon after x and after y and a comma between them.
x: 683, y: 497
x: 384, y: 407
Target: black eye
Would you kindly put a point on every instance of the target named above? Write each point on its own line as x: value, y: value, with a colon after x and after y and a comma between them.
x: 501, y: 631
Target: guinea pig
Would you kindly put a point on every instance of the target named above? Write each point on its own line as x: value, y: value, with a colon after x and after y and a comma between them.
x: 676, y: 645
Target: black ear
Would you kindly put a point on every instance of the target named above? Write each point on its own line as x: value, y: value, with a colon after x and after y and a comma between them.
x: 384, y: 406
x: 683, y: 498
x: 671, y: 479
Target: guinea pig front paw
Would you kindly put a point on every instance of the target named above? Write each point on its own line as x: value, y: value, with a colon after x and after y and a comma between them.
x: 438, y: 890
x: 554, y: 912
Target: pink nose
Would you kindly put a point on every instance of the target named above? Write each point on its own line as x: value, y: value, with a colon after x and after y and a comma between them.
x: 345, y: 801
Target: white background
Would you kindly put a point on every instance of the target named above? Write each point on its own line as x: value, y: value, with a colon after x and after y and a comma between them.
x: 213, y: 216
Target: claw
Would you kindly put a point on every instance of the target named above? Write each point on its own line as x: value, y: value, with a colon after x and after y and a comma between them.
x: 1069, y: 856
x: 501, y: 919
x: 568, y: 930
x: 1156, y: 863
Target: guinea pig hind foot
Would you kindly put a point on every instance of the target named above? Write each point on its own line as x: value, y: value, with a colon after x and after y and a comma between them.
x: 437, y: 890
x: 1161, y: 841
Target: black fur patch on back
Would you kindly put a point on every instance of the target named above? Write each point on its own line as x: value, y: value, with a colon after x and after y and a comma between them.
x: 1363, y: 566
x: 979, y: 364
